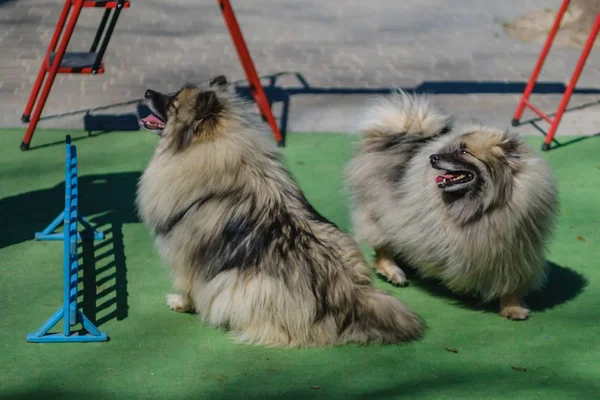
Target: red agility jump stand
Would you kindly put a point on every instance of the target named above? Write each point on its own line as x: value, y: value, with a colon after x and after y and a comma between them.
x: 255, y: 86
x: 59, y: 61
x: 572, y: 83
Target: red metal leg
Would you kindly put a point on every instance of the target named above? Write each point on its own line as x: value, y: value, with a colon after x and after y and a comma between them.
x: 52, y: 73
x: 574, y: 78
x: 35, y: 91
x: 540, y: 63
x: 255, y: 86
x: 43, y: 69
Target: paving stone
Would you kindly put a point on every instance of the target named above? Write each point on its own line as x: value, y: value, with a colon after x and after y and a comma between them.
x: 347, y: 51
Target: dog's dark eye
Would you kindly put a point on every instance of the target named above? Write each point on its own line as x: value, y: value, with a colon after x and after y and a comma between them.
x: 463, y: 152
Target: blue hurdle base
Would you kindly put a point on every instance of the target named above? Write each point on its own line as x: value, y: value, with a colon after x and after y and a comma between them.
x: 42, y: 336
x: 69, y: 218
x: 89, y: 234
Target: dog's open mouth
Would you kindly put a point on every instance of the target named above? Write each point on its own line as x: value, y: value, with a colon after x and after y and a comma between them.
x: 451, y: 178
x: 153, y: 123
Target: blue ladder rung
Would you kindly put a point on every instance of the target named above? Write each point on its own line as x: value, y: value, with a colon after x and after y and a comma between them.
x: 61, y: 236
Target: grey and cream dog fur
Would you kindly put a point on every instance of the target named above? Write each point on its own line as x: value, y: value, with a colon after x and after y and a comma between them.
x: 472, y: 207
x: 247, y: 250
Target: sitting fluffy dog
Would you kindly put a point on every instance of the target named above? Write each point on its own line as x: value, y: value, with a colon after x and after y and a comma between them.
x: 247, y: 250
x: 473, y: 208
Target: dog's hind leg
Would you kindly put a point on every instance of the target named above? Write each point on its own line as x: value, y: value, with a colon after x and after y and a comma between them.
x: 511, y: 307
x: 385, y: 265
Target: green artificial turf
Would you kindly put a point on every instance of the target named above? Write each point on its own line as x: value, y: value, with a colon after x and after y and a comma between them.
x: 154, y: 353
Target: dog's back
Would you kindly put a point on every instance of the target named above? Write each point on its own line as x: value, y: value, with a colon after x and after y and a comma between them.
x: 393, y: 130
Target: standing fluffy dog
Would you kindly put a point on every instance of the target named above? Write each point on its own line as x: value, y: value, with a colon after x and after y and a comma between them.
x: 247, y: 250
x: 472, y: 208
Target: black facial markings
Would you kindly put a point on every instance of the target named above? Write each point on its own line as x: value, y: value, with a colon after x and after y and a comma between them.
x: 460, y: 162
x: 160, y: 104
x: 487, y: 166
x: 202, y: 117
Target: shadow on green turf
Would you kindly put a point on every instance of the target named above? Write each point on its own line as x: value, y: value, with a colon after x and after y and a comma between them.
x: 563, y: 285
x: 108, y: 201
x: 104, y: 278
x: 451, y: 383
x: 24, y: 214
x: 73, y: 140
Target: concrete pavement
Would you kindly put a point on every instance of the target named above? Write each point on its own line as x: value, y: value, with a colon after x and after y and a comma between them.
x: 329, y: 58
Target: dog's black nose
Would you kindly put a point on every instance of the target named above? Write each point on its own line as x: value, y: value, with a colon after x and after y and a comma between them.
x: 434, y: 158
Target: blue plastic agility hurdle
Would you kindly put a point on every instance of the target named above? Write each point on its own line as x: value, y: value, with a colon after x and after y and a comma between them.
x: 69, y: 312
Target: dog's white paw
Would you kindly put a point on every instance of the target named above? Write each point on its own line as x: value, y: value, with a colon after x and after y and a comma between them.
x: 392, y: 272
x: 177, y: 303
x: 515, y: 313
x: 398, y: 278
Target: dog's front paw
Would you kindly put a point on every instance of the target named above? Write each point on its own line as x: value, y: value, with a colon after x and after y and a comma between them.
x: 515, y: 313
x: 385, y: 266
x: 176, y: 302
x: 392, y: 272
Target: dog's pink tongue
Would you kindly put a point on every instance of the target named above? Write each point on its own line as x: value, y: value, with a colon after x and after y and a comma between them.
x: 153, y: 119
x: 440, y: 178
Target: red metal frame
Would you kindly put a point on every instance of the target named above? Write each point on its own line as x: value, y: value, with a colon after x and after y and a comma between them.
x: 73, y: 7
x: 555, y: 122
x: 104, y: 4
x: 244, y: 55
x: 53, y: 70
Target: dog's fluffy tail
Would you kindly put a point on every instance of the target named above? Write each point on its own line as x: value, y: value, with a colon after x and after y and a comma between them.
x: 401, y: 113
x: 382, y: 318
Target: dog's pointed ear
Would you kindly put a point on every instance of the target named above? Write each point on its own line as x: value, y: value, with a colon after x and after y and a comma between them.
x: 220, y: 81
x: 207, y: 104
x: 510, y: 145
x: 207, y: 110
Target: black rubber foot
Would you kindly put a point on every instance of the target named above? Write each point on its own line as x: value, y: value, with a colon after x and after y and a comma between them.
x: 25, y: 118
x: 545, y: 147
x: 515, y: 122
x: 24, y: 146
x: 281, y: 143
